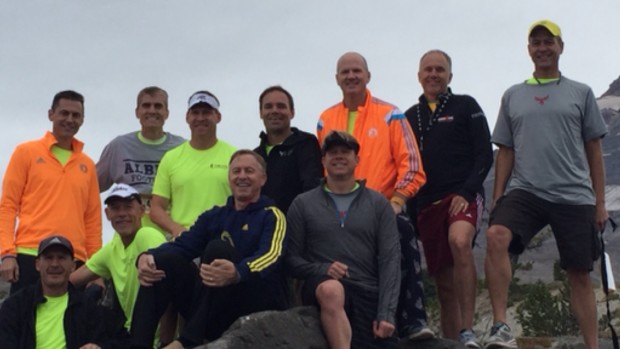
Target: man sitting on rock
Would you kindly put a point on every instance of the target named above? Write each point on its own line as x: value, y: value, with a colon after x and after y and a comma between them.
x: 241, y: 245
x: 345, y: 245
x: 116, y: 260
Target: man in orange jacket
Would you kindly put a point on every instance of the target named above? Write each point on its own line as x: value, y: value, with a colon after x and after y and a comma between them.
x: 50, y: 186
x: 389, y: 161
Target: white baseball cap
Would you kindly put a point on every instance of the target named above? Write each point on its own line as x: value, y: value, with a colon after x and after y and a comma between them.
x: 123, y: 191
x: 201, y: 97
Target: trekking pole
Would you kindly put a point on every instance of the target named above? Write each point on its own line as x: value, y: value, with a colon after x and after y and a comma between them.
x: 605, y: 279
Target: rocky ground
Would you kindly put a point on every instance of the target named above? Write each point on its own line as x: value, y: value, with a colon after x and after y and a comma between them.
x: 309, y: 323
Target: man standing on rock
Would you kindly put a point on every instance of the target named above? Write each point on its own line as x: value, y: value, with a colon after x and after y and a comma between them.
x: 50, y: 187
x: 549, y: 170
x: 454, y: 141
x: 293, y: 156
x: 191, y: 178
x: 345, y: 246
x: 133, y: 158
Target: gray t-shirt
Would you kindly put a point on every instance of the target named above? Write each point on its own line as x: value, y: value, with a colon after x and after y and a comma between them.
x: 343, y: 201
x: 126, y: 159
x: 547, y: 125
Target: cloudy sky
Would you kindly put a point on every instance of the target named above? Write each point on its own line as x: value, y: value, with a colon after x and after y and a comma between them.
x: 109, y: 50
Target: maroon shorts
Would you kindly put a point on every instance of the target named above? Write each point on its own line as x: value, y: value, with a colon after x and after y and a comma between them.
x: 433, y: 224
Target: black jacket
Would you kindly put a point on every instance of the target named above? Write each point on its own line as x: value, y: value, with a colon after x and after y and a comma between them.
x: 455, y: 146
x: 293, y: 167
x: 82, y: 320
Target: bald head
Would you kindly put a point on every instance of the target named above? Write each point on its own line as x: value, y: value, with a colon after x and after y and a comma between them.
x: 351, y: 57
x: 352, y: 76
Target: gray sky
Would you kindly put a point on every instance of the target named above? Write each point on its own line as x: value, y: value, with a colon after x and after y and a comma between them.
x: 109, y: 50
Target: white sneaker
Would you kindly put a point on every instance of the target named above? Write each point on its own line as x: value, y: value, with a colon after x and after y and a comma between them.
x: 469, y: 339
x: 421, y: 333
x: 501, y: 337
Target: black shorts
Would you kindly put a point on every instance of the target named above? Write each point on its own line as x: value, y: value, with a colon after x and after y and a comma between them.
x: 574, y: 227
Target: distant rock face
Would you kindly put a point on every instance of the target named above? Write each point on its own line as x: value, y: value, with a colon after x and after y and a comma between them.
x: 614, y: 89
x: 609, y: 104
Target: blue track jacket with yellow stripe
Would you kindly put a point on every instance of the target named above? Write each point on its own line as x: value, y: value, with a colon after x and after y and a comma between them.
x: 258, y: 233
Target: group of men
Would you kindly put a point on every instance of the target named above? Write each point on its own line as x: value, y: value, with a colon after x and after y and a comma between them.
x: 332, y: 210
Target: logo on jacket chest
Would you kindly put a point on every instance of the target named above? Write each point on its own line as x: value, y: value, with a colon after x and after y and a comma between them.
x: 225, y: 236
x: 445, y: 119
x: 373, y: 132
x: 285, y: 153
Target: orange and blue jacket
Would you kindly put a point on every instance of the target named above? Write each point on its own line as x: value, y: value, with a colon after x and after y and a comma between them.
x: 49, y: 198
x: 389, y: 157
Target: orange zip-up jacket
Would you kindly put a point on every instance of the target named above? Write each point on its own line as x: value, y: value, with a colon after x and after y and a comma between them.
x: 389, y: 157
x: 48, y: 198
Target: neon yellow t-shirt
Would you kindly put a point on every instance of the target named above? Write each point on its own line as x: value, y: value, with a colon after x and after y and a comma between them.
x: 534, y: 81
x: 151, y: 142
x: 146, y: 219
x: 193, y: 180
x: 268, y: 148
x: 61, y: 154
x: 351, y: 121
x: 49, y: 327
x: 114, y: 261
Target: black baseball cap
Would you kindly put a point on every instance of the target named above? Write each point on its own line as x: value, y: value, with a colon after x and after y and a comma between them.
x: 342, y: 138
x: 55, y: 240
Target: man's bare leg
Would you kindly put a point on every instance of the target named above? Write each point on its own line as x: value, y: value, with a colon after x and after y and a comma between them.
x: 498, y: 270
x: 461, y: 235
x: 168, y: 325
x: 583, y: 304
x: 330, y: 295
x: 448, y: 303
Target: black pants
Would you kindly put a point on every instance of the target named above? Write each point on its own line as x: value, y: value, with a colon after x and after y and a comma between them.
x: 28, y: 274
x: 411, y: 313
x: 208, y: 311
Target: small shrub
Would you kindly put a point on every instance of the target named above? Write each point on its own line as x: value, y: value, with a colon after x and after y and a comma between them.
x: 543, y: 314
x: 558, y: 273
x: 432, y: 301
x: 516, y: 290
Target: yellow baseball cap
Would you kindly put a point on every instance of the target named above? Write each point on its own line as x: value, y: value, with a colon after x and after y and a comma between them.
x: 553, y: 28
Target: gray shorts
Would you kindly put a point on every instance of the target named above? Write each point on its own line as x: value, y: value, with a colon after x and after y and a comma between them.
x: 574, y: 227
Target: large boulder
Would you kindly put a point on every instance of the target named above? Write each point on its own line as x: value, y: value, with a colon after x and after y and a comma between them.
x: 296, y: 328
